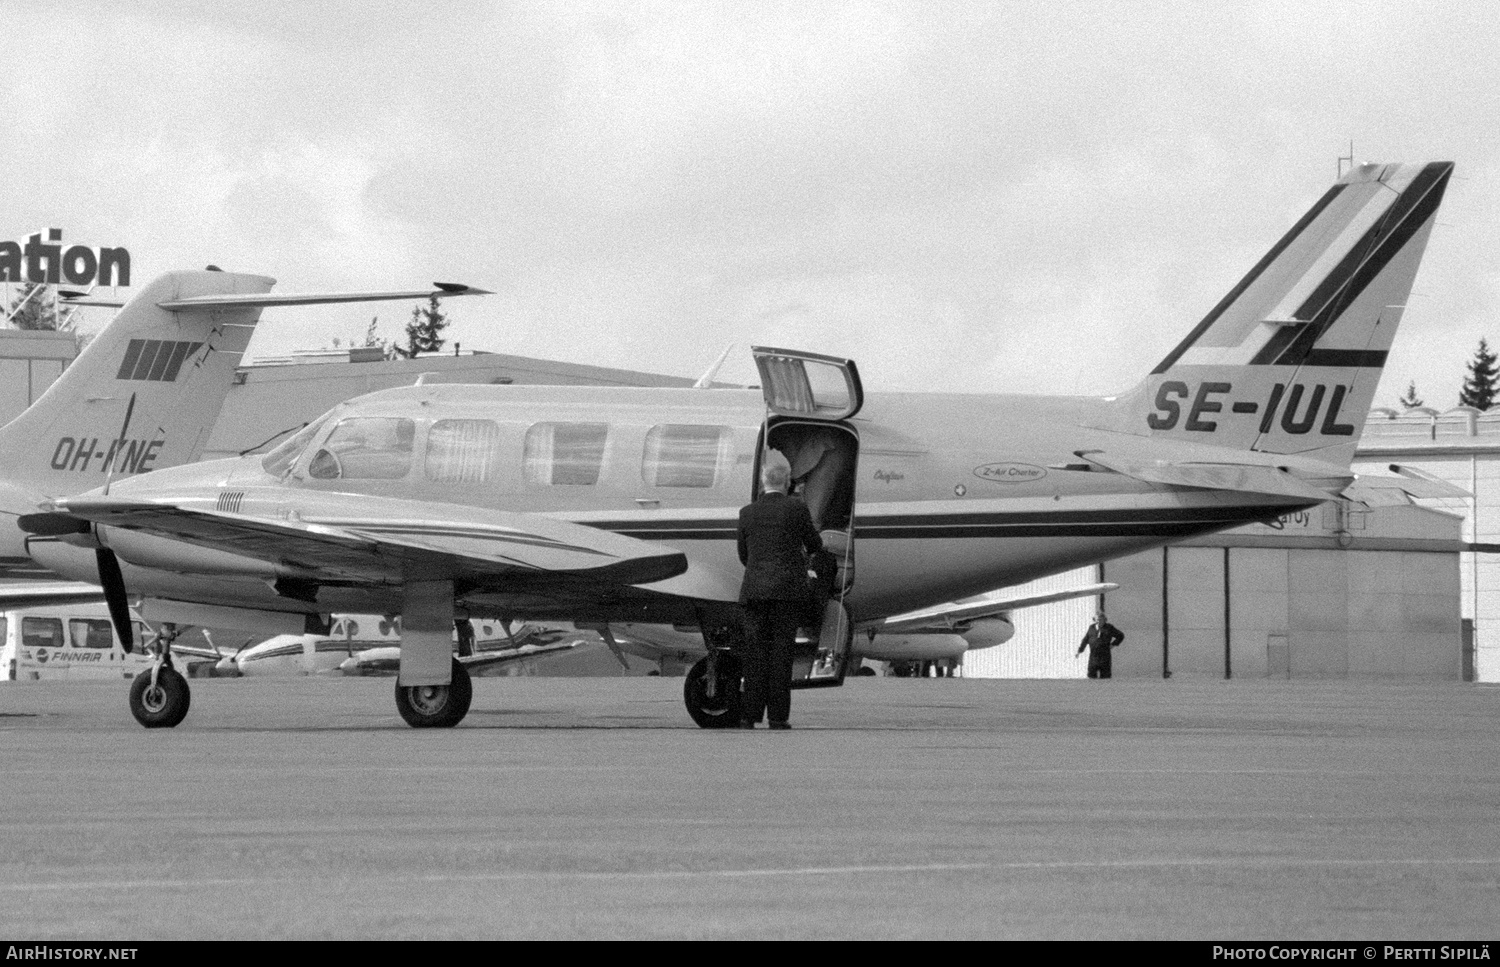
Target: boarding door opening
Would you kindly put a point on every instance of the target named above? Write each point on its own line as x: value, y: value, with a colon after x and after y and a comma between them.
x: 809, y: 399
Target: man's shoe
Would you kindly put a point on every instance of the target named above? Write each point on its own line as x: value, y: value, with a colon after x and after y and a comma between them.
x: 779, y: 725
x: 747, y: 724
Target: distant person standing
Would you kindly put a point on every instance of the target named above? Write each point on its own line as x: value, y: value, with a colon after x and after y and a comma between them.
x: 1101, y: 638
x: 776, y: 537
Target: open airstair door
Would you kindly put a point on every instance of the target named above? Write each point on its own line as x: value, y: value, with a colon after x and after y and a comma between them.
x: 808, y: 398
x: 807, y: 385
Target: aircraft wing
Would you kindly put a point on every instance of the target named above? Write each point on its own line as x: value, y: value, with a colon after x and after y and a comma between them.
x: 947, y: 617
x: 1252, y: 478
x: 33, y: 594
x: 392, y: 539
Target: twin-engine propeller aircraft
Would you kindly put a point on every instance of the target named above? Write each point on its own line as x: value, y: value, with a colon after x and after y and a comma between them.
x: 614, y: 506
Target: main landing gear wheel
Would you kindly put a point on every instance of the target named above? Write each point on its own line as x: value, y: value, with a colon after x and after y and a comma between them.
x: 721, y: 710
x: 162, y: 705
x: 436, y: 706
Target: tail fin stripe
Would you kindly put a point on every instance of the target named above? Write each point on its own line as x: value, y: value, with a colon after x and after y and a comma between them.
x: 1406, y: 214
x: 132, y: 353
x: 163, y: 357
x: 1347, y: 357
x: 1417, y: 206
x: 1249, y: 279
x: 1277, y: 344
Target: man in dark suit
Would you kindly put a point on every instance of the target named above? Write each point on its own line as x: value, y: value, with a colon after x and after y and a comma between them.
x: 1101, y: 638
x: 776, y: 535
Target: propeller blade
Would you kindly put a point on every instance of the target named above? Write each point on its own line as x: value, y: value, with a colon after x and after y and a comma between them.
x: 113, y: 582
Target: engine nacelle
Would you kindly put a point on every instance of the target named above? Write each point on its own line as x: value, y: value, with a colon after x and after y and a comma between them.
x: 989, y: 632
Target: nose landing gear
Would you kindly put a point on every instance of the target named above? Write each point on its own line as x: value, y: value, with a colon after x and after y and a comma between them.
x: 159, y: 698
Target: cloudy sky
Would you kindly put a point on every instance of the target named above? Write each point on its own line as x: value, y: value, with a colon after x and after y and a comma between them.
x: 1004, y: 196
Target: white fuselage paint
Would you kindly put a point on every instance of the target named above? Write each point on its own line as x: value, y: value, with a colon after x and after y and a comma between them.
x: 955, y: 494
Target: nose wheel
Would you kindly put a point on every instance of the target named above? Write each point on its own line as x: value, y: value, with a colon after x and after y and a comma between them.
x: 436, y: 706
x: 712, y: 691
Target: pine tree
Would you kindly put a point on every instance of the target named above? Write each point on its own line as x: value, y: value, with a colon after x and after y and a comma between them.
x: 1480, y: 385
x: 36, y: 309
x: 424, y: 332
x: 1411, y: 400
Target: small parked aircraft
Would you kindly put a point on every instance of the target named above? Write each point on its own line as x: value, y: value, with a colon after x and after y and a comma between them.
x: 371, y: 645
x: 608, y: 505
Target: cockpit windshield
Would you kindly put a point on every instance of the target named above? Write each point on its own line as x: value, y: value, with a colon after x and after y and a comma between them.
x: 279, y: 462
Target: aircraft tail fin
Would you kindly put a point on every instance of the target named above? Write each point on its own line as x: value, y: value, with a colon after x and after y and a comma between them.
x: 144, y: 394
x: 1289, y: 360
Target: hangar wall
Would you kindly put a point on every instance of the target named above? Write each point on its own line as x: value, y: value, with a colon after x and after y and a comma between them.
x: 1320, y: 594
x: 30, y: 361
x: 1461, y: 446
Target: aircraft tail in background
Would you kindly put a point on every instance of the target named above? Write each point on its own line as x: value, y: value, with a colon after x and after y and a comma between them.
x: 168, y: 365
x: 145, y: 393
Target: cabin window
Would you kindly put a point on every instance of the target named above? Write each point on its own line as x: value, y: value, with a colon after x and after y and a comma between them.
x: 569, y: 454
x: 91, y: 633
x: 41, y: 632
x: 680, y: 455
x: 365, y: 448
x: 463, y: 451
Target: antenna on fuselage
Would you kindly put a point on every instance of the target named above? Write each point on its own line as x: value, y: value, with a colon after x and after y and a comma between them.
x: 114, y: 456
x: 706, y: 381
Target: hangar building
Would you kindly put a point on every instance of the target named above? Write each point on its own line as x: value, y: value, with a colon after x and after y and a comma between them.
x: 1318, y: 594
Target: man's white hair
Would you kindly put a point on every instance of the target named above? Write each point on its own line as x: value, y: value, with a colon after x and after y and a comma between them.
x: 775, y: 475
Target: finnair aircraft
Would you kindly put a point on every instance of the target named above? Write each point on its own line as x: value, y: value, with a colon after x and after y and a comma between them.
x: 619, y: 505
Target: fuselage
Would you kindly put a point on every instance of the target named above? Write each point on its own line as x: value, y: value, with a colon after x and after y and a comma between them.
x: 952, y: 494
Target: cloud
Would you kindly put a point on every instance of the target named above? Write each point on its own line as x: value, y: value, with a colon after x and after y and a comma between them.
x: 960, y: 196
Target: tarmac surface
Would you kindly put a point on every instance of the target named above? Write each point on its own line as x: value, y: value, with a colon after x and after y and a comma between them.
x: 895, y: 808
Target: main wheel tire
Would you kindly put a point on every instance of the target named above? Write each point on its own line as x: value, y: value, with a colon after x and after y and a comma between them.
x: 161, y: 707
x: 436, y: 706
x: 723, y: 710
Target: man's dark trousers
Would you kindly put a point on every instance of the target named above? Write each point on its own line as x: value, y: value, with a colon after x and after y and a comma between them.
x: 771, y: 627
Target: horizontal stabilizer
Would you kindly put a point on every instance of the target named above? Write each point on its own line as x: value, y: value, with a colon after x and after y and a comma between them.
x: 82, y: 300
x: 948, y: 617
x: 1382, y: 491
x: 1246, y: 478
x: 265, y: 300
